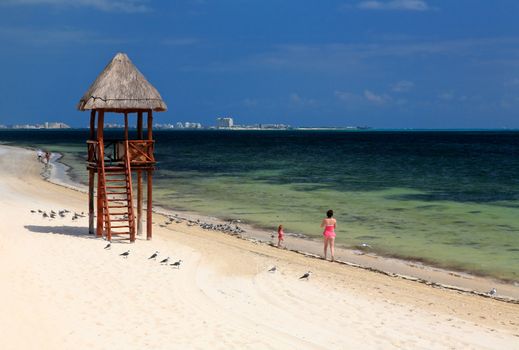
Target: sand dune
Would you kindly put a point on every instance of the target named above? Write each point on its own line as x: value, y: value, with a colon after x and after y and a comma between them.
x: 62, y: 290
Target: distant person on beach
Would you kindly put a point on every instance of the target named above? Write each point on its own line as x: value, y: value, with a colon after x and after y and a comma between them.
x: 329, y: 224
x: 39, y: 153
x: 281, y: 235
x: 47, y: 157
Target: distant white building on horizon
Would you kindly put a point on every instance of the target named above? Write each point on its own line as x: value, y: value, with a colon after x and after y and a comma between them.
x: 225, y: 122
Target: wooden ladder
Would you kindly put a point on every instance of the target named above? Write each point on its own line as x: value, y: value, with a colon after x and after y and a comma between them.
x: 116, y: 194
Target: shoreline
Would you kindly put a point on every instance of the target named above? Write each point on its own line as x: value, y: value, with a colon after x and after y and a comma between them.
x: 413, y: 270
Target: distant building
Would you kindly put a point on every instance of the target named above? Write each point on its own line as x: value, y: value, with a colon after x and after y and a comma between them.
x: 56, y: 125
x: 46, y: 125
x: 190, y: 125
x: 224, y: 122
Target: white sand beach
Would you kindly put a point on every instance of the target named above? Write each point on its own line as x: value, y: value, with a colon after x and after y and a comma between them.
x: 61, y: 290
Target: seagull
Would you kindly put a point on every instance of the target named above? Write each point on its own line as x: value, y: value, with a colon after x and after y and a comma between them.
x: 154, y: 256
x: 108, y: 246
x: 492, y: 292
x: 165, y: 261
x: 45, y: 215
x: 365, y: 245
x: 33, y: 211
x: 125, y: 254
x: 39, y: 211
x: 306, y: 276
x: 177, y: 264
x: 273, y: 269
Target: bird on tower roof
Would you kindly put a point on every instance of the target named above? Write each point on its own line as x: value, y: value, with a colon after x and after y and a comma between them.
x: 121, y: 87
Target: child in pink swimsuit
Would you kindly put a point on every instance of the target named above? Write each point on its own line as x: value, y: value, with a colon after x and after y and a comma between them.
x: 281, y: 235
x: 329, y: 224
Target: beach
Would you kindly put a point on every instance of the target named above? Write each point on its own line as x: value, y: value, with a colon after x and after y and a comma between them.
x: 62, y: 290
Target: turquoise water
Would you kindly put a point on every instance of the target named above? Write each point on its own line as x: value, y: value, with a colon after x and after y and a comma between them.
x: 448, y: 198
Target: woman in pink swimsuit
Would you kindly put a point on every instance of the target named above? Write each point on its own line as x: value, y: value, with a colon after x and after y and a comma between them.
x: 329, y: 224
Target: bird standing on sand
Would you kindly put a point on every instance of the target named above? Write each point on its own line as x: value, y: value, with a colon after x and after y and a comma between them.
x: 108, y: 246
x: 492, y: 292
x: 273, y: 269
x: 306, y: 276
x: 176, y: 264
x: 154, y: 256
x: 165, y: 261
x: 125, y: 254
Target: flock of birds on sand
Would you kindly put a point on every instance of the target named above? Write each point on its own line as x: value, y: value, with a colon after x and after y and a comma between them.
x: 231, y: 227
x: 219, y: 227
x: 154, y: 256
x: 61, y: 213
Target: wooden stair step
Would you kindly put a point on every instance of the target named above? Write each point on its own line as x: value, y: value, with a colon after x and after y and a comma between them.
x: 114, y: 187
x: 117, y: 200
x: 114, y: 193
x: 116, y: 180
x: 121, y: 233
x: 119, y: 206
x: 120, y: 226
x: 119, y: 220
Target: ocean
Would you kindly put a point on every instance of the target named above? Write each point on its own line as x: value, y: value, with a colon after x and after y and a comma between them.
x: 448, y: 198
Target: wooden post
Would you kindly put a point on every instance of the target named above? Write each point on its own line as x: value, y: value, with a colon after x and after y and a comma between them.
x: 139, y: 179
x: 91, y: 213
x: 91, y: 175
x: 150, y: 125
x: 150, y: 182
x: 92, y: 124
x: 126, y: 125
x: 100, y: 214
x: 149, y: 205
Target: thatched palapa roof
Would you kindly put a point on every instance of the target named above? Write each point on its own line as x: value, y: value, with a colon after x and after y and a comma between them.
x: 121, y: 87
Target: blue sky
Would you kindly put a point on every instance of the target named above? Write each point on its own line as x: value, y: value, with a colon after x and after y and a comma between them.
x: 380, y: 63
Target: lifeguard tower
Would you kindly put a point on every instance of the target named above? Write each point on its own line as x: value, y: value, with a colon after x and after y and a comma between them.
x: 120, y: 88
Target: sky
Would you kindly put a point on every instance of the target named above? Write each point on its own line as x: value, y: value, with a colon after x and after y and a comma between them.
x: 378, y: 63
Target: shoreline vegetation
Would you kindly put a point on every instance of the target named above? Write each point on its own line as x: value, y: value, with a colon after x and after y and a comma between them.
x: 418, y: 270
x: 67, y: 289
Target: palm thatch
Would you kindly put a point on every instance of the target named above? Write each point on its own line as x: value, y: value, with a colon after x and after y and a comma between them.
x: 121, y: 87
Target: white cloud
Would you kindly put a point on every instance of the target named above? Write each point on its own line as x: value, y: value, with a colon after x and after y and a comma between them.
x: 368, y: 97
x: 128, y: 6
x: 250, y: 102
x: 403, y: 5
x: 512, y: 82
x: 446, y: 95
x: 42, y: 37
x: 402, y: 86
x: 346, y: 96
x: 298, y: 101
x: 180, y: 41
x: 376, y: 99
